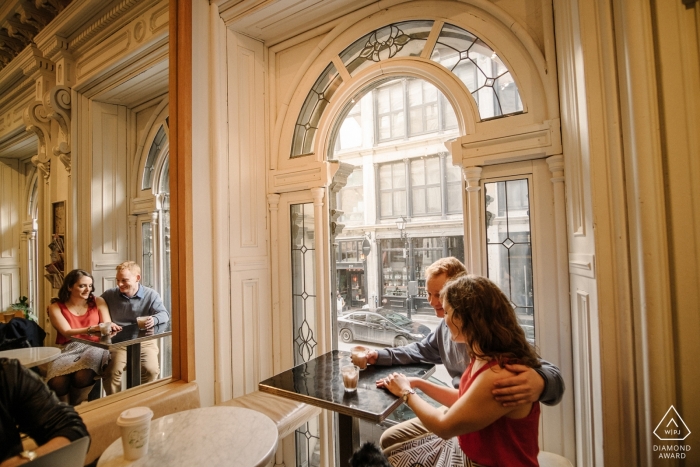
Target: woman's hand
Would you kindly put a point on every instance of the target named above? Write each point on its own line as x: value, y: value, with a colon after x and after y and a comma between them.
x: 395, y: 383
x: 114, y: 327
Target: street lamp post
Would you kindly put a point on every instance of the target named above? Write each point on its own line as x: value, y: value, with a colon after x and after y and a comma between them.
x: 401, y: 225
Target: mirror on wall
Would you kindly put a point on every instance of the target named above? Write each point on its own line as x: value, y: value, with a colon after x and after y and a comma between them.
x: 84, y: 170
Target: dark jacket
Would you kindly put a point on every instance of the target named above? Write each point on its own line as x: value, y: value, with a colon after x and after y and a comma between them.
x: 20, y: 332
x: 27, y: 405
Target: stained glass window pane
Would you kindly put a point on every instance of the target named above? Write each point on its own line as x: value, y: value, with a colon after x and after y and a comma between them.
x: 405, y: 39
x: 156, y: 147
x: 311, y: 111
x: 509, y: 247
x: 480, y: 69
x: 304, y: 313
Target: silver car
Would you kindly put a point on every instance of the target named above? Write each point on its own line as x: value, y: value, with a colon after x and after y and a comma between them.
x: 381, y: 327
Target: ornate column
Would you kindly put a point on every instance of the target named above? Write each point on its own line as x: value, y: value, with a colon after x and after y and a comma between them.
x: 273, y: 201
x: 472, y: 225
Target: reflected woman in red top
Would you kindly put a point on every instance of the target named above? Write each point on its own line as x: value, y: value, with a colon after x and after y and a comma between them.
x: 77, y: 311
x: 476, y: 429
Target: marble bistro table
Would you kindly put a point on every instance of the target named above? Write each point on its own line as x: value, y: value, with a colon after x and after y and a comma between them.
x: 210, y: 436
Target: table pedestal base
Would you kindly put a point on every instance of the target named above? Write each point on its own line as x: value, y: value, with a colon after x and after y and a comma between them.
x: 349, y: 437
x: 133, y: 365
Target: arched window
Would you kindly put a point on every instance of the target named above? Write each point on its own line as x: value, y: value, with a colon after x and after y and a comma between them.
x: 153, y: 221
x: 465, y: 55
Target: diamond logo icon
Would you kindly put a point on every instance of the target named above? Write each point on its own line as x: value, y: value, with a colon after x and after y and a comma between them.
x: 672, y: 427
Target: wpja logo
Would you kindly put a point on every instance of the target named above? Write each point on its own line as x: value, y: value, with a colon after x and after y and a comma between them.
x: 672, y: 428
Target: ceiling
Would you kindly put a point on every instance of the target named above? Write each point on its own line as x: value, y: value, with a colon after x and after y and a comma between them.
x: 273, y: 21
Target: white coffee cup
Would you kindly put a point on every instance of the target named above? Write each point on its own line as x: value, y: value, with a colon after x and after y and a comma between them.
x: 105, y: 328
x: 135, y: 424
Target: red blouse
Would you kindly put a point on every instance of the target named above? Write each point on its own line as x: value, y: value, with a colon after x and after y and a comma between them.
x: 91, y: 318
x: 507, y: 442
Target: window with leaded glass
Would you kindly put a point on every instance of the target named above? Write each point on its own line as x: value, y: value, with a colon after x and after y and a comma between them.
x: 426, y: 189
x: 509, y: 246
x: 392, y: 189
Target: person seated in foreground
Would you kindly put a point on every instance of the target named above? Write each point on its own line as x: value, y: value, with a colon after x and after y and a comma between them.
x: 129, y: 300
x: 77, y: 311
x: 27, y: 405
x: 527, y: 385
x: 476, y: 428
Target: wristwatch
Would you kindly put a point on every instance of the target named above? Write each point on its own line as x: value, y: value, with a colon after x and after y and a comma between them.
x: 405, y: 394
x: 29, y: 455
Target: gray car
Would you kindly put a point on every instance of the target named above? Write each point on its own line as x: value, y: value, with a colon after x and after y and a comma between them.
x: 381, y: 327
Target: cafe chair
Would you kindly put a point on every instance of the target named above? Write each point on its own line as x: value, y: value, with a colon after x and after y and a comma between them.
x: 549, y: 459
x: 288, y: 415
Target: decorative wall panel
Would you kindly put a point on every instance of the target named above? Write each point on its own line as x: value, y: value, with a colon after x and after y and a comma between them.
x: 109, y: 181
x: 9, y: 211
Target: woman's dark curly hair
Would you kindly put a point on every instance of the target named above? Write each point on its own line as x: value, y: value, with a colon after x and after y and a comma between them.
x: 70, y: 280
x: 488, y: 320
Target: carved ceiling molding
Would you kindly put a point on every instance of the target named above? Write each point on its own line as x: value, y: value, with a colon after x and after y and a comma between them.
x: 109, y: 17
x: 21, y: 20
x: 56, y: 106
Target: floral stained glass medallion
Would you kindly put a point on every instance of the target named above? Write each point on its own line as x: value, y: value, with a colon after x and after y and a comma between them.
x: 405, y: 39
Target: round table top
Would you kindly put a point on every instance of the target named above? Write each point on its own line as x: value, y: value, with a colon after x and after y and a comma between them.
x: 231, y: 436
x: 32, y: 356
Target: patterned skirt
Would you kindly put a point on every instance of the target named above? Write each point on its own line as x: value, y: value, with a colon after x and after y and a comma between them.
x: 429, y: 451
x: 77, y: 356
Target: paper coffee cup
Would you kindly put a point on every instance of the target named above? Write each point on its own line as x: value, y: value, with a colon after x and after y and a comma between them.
x: 135, y: 424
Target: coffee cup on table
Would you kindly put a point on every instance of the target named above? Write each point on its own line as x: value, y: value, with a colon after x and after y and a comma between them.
x: 141, y: 320
x: 105, y: 328
x: 351, y: 375
x: 358, y: 356
x: 135, y: 425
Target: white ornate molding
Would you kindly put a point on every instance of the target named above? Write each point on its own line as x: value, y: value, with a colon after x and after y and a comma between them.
x: 58, y: 107
x: 472, y: 175
x: 37, y: 121
x: 556, y: 166
x: 508, y: 145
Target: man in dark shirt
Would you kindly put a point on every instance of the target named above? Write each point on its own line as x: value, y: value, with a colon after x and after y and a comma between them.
x: 27, y: 405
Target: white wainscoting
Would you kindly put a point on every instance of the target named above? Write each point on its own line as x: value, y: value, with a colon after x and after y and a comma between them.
x: 109, y: 201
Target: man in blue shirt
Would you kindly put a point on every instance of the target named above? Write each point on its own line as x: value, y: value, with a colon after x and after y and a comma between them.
x: 129, y: 300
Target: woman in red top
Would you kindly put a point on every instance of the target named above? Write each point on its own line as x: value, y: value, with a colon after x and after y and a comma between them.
x: 476, y: 430
x: 77, y: 311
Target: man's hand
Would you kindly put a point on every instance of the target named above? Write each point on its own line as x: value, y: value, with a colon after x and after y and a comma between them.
x: 372, y: 357
x: 150, y: 322
x: 525, y: 387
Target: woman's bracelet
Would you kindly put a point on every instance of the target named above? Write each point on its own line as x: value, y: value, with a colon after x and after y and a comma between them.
x: 89, y: 329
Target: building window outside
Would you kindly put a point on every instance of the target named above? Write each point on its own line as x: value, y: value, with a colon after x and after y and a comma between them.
x: 428, y: 110
x: 435, y: 188
x: 392, y: 188
x: 426, y: 188
x: 351, y: 200
x: 405, y: 261
x: 389, y: 107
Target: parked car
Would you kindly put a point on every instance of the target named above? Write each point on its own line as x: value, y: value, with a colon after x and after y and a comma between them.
x: 381, y: 327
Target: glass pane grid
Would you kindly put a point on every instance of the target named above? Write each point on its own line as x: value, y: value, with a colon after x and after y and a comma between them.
x: 303, y: 255
x: 480, y: 69
x: 509, y: 246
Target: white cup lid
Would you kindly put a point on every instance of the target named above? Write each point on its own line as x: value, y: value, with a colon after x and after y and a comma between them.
x: 134, y: 416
